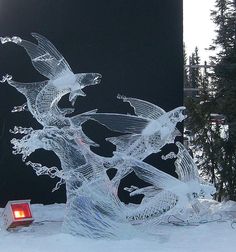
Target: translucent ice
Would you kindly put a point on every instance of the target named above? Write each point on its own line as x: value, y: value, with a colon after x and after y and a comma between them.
x: 43, y: 97
x: 93, y: 207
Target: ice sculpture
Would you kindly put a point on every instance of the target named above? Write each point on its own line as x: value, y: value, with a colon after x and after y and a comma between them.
x: 93, y: 207
x: 43, y: 97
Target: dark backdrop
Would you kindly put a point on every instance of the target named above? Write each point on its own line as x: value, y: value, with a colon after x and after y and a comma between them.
x: 136, y: 45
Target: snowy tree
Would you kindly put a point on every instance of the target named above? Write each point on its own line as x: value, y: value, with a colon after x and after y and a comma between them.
x: 225, y: 79
x: 217, y: 142
x: 194, y: 71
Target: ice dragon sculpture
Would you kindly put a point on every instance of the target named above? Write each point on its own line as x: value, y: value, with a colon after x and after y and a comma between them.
x: 93, y: 207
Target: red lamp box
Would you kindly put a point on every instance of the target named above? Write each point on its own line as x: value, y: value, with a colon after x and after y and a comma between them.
x: 17, y: 213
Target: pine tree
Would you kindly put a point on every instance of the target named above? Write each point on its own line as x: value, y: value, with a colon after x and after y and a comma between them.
x: 215, y: 144
x: 186, y: 71
x: 194, y: 71
x: 207, y: 139
x: 225, y: 98
x: 224, y: 17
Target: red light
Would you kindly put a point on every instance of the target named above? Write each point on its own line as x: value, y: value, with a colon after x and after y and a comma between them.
x: 21, y: 211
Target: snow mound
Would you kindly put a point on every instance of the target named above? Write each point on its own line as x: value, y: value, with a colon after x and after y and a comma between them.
x: 45, y: 234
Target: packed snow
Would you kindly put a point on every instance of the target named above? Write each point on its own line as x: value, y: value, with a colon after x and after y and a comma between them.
x: 45, y: 234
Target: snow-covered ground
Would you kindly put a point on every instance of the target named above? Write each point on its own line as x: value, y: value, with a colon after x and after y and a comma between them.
x: 45, y: 235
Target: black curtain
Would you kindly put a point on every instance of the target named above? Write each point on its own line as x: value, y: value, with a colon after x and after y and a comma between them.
x: 136, y: 45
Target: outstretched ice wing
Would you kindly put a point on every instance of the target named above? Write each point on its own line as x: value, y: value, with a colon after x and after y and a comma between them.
x: 29, y: 90
x: 156, y: 177
x: 45, y: 57
x: 120, y: 122
x: 143, y: 108
x: 188, y: 172
x: 185, y: 166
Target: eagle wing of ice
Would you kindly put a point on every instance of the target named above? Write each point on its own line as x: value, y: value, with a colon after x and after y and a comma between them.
x: 146, y: 113
x: 143, y: 108
x: 187, y: 172
x: 29, y: 90
x: 119, y: 122
x: 156, y: 177
x: 184, y: 165
x: 45, y: 57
